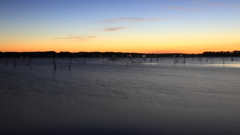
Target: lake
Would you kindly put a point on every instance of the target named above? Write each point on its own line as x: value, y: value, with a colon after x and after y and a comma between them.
x: 126, y: 96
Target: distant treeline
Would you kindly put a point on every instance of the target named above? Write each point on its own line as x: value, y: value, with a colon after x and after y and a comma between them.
x: 115, y: 54
x: 221, y: 54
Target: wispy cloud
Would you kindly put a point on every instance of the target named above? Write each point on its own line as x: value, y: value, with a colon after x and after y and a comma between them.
x: 75, y: 38
x: 215, y: 4
x: 134, y: 19
x: 183, y: 8
x: 201, y: 2
x: 166, y: 51
x: 115, y: 29
x: 198, y: 2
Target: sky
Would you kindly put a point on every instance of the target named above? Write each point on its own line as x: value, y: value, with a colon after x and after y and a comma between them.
x: 143, y: 26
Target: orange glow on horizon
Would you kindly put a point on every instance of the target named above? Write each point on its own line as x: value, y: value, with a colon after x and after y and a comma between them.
x: 137, y: 44
x: 125, y: 51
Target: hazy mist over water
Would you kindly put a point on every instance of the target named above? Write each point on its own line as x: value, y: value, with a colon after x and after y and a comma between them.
x: 107, y: 97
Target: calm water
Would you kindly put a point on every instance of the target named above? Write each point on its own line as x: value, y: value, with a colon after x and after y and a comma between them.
x: 108, y: 97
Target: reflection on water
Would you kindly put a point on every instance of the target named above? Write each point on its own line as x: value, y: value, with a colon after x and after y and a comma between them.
x: 112, y: 97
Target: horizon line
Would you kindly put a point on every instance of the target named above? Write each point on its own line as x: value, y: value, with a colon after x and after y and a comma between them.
x: 109, y: 52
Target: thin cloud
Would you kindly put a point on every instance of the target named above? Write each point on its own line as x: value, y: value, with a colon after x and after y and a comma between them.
x: 75, y: 38
x: 183, y: 9
x: 198, y: 2
x: 166, y: 51
x: 134, y: 19
x: 215, y: 4
x: 210, y: 4
x: 114, y: 29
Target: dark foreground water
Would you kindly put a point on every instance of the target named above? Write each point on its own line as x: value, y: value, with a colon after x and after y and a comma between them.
x: 101, y: 97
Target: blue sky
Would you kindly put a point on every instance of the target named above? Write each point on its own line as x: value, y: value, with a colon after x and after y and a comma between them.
x: 57, y: 22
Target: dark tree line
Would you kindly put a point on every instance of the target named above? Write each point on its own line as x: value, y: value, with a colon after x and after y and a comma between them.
x: 114, y: 54
x: 221, y: 54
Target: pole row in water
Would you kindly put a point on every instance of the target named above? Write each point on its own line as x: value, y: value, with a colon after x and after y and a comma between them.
x: 124, y: 60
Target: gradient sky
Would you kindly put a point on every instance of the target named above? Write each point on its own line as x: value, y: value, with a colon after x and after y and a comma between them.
x: 159, y: 26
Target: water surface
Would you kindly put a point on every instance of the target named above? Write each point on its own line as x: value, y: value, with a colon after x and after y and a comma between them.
x: 98, y: 96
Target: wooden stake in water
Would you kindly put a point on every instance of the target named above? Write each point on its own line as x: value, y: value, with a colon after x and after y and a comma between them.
x: 30, y: 61
x: 6, y: 62
x: 175, y: 60
x: 54, y: 63
x: 15, y: 63
x: 70, y: 63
